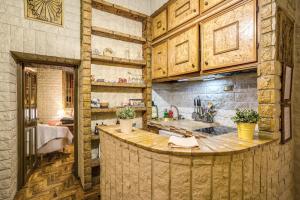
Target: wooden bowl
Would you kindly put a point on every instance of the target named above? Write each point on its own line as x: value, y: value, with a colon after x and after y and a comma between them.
x: 104, y: 105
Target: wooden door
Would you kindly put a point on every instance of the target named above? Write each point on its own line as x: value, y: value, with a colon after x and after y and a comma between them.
x: 208, y: 4
x: 183, y: 52
x: 181, y: 11
x: 160, y: 61
x: 30, y: 121
x: 159, y: 24
x: 229, y: 39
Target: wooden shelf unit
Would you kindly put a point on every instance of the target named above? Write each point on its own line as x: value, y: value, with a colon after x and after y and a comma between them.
x: 123, y: 85
x: 117, y: 35
x: 143, y: 64
x: 118, y: 10
x: 117, y: 61
x: 112, y: 110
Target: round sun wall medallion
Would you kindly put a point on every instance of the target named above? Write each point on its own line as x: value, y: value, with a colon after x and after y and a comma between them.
x: 50, y: 11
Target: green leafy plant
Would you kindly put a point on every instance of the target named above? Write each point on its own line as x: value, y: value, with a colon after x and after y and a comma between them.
x: 126, y: 113
x: 246, y: 116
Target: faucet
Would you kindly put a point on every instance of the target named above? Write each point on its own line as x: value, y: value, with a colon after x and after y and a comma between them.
x: 177, y: 110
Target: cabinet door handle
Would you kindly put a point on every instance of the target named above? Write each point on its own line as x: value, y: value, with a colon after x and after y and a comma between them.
x: 206, y: 63
x: 206, y: 3
x: 193, y: 66
x: 194, y: 10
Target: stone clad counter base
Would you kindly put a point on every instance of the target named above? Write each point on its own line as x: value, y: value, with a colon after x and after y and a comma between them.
x: 132, y: 172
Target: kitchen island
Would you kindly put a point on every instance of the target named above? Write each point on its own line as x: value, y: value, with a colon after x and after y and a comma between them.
x: 142, y: 165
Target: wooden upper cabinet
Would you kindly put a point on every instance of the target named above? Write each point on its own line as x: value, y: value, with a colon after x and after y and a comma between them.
x: 183, y: 52
x: 160, y: 61
x: 208, y: 4
x: 229, y: 39
x: 159, y: 24
x: 181, y: 11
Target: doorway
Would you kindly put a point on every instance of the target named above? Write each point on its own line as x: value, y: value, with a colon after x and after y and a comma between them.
x: 42, y: 114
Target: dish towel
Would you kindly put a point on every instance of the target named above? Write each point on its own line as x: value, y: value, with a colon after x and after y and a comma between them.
x: 189, y: 142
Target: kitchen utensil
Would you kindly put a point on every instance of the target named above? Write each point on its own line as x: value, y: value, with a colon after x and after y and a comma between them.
x: 198, y: 105
x: 194, y: 114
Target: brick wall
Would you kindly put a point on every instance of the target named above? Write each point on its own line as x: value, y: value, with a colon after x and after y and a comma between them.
x: 49, y: 93
x: 20, y: 34
x: 182, y: 94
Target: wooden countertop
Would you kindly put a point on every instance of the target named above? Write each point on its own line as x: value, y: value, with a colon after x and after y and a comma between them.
x: 218, y: 145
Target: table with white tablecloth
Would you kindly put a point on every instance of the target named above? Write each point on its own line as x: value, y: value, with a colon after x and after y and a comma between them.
x: 52, y: 138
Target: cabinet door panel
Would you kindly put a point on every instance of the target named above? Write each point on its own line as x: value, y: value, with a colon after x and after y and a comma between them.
x: 208, y: 4
x: 160, y: 61
x: 183, y: 53
x: 159, y: 24
x: 181, y: 11
x: 229, y: 39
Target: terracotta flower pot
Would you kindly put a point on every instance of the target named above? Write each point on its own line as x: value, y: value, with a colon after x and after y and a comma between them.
x: 126, y: 125
x: 246, y: 130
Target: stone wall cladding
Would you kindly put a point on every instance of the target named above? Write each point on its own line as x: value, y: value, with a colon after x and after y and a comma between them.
x: 84, y: 136
x: 269, y: 85
x: 20, y: 34
x: 261, y: 173
x: 295, y: 101
x: 182, y: 94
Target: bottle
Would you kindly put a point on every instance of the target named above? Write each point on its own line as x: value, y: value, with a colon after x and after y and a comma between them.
x: 96, y: 129
x: 170, y: 114
x: 166, y: 113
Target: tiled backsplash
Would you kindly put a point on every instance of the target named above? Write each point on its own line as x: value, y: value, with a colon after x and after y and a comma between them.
x: 182, y: 94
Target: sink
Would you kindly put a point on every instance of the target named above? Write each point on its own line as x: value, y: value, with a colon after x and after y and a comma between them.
x: 165, y: 119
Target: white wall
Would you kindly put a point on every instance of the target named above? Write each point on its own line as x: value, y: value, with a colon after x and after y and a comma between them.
x: 156, y: 4
x: 23, y: 35
x: 142, y: 6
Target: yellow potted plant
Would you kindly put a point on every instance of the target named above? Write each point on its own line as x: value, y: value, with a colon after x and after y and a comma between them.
x: 246, y: 120
x: 126, y: 116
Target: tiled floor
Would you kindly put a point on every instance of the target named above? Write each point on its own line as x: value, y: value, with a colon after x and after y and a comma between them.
x: 53, y: 179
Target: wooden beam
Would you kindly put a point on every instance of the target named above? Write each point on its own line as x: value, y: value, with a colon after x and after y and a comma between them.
x: 116, y: 60
x: 112, y: 110
x: 118, y: 10
x: 125, y: 85
x: 103, y: 32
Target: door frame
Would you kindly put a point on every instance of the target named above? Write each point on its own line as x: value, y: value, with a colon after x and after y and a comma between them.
x: 20, y: 111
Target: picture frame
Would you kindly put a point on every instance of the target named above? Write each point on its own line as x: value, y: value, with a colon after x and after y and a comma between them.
x: 287, y: 82
x: 136, y: 102
x: 286, y: 123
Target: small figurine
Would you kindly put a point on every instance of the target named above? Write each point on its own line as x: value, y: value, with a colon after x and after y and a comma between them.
x: 93, y: 78
x: 95, y: 103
